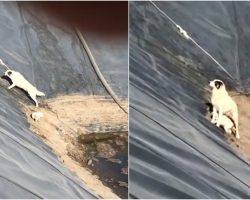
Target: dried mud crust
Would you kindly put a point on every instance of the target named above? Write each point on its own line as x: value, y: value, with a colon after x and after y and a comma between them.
x: 243, y: 144
x: 68, y: 119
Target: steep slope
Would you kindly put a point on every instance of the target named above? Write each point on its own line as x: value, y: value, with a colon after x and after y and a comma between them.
x: 175, y: 152
x: 50, y: 55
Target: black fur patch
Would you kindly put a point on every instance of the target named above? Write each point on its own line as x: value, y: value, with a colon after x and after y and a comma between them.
x: 209, y: 107
x: 218, y: 84
x: 9, y: 73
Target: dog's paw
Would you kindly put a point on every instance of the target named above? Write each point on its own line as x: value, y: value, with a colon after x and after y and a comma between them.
x: 229, y: 132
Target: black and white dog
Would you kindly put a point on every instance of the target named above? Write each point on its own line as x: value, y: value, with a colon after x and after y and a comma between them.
x: 19, y: 81
x: 223, y: 104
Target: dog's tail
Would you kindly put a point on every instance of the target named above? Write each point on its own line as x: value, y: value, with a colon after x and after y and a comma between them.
x: 38, y: 93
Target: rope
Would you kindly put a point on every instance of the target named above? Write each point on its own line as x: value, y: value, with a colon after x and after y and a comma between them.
x: 4, y: 65
x: 98, y: 72
x: 186, y: 36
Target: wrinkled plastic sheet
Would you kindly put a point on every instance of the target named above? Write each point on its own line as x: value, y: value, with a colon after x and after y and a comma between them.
x: 175, y: 152
x: 52, y: 58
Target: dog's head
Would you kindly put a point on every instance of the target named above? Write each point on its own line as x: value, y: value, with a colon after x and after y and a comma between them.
x: 218, y: 84
x: 8, y: 73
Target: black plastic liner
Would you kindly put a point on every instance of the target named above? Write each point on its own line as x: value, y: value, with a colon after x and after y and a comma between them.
x: 50, y: 55
x: 175, y: 152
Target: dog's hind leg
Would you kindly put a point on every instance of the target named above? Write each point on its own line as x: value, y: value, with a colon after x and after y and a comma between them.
x: 215, y: 115
x: 33, y: 97
x: 219, y: 117
x: 237, y: 134
x: 235, y: 119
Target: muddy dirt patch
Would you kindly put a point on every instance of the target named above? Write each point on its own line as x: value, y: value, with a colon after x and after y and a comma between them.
x: 86, y: 133
x: 243, y: 144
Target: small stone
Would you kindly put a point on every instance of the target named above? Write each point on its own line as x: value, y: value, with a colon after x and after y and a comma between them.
x: 95, y: 159
x: 90, y: 162
x: 123, y: 184
x: 111, y: 180
x: 115, y: 160
x: 124, y: 170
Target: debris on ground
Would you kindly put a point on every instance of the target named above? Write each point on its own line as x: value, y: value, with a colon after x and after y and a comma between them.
x: 36, y: 116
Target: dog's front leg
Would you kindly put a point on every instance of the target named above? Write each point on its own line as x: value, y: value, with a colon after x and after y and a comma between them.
x: 11, y: 86
x: 219, y: 117
x: 214, y: 117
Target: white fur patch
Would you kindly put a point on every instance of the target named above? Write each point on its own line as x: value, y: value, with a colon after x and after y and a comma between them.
x: 226, y: 123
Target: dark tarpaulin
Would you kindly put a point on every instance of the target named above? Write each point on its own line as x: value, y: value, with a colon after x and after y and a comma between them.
x: 50, y: 56
x: 175, y: 152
